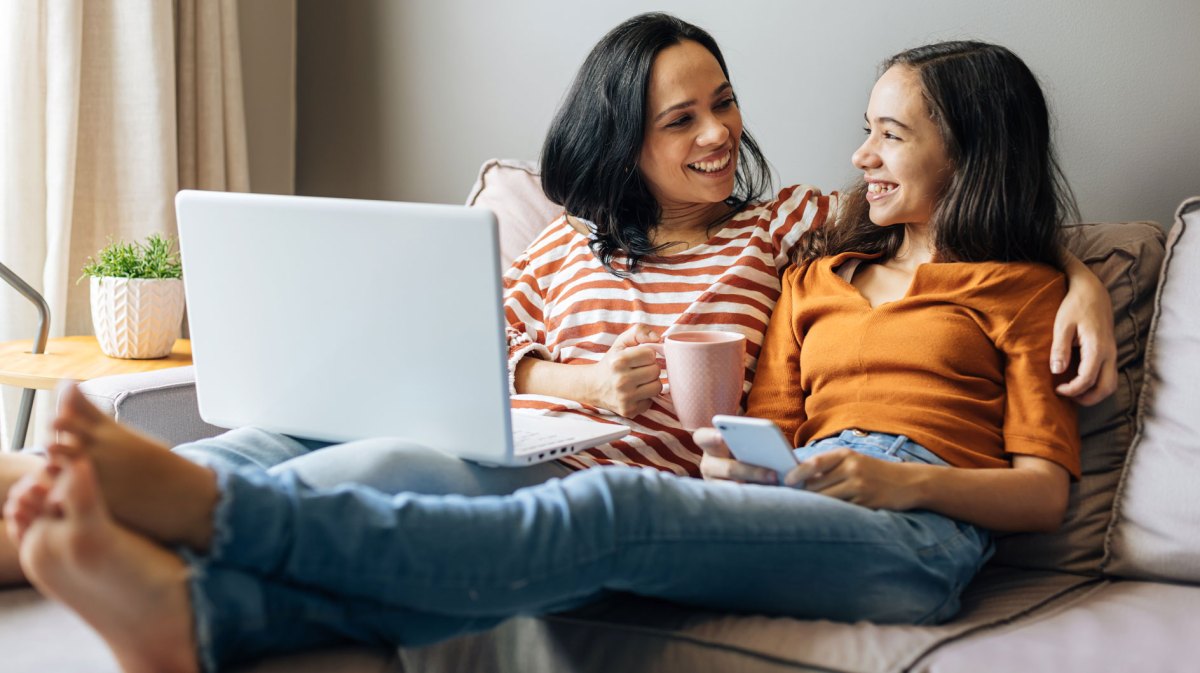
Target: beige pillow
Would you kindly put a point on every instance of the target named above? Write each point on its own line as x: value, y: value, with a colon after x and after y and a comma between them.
x: 1127, y: 258
x: 513, y: 191
x: 1155, y: 532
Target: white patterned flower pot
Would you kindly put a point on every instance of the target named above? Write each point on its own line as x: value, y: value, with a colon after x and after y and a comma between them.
x: 137, y: 318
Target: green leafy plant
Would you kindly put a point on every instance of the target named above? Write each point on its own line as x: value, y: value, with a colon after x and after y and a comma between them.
x: 155, y: 258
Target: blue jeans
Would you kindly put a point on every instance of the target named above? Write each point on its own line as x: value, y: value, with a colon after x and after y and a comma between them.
x: 293, y: 567
x: 387, y: 465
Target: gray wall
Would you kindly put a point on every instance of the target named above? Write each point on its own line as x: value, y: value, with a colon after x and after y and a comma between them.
x: 404, y: 100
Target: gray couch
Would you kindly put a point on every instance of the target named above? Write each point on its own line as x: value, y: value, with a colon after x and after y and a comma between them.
x: 1117, y: 588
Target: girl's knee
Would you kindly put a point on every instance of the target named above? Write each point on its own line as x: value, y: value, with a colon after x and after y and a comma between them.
x: 388, y: 465
x: 243, y: 447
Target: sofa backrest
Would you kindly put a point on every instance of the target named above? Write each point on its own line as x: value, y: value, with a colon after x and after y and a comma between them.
x: 1126, y: 257
x: 1156, y: 524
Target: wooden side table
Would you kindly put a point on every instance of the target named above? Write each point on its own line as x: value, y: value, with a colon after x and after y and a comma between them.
x: 72, y: 359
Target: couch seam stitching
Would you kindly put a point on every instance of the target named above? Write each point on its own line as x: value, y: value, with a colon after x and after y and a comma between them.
x: 659, y: 633
x: 1013, y: 618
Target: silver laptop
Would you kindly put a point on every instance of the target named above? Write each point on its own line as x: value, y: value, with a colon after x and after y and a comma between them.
x: 338, y: 319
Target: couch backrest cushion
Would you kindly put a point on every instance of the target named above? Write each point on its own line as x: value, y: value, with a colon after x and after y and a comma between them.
x: 513, y: 191
x: 1155, y: 532
x: 1126, y: 257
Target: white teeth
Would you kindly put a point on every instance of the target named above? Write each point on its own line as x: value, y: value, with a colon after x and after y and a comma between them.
x: 712, y: 166
x: 880, y: 188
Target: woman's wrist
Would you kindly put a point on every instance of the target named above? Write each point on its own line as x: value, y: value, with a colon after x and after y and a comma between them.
x: 536, y: 376
x: 1077, y: 272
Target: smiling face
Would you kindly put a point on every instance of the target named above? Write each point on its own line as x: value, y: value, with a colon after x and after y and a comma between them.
x: 904, y: 158
x: 693, y: 127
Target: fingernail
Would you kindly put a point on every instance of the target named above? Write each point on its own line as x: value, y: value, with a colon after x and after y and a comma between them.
x: 1057, y: 366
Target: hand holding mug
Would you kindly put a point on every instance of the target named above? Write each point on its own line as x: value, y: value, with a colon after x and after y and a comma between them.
x: 627, y: 378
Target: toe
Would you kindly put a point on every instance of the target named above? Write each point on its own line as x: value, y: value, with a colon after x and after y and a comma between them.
x: 78, y: 492
x: 64, y: 448
x: 31, y: 488
x: 19, y: 520
x: 72, y: 425
x: 25, y: 503
x: 73, y: 399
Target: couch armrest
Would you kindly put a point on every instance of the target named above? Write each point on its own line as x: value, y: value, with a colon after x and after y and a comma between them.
x: 161, y: 403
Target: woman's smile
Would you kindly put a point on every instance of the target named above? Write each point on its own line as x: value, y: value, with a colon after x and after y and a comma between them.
x: 878, y: 190
x: 718, y: 164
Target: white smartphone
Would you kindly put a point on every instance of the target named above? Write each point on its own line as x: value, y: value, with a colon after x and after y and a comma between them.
x: 757, y: 441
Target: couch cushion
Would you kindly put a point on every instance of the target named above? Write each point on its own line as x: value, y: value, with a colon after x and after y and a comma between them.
x: 1126, y: 257
x: 513, y: 191
x: 40, y: 635
x: 1156, y: 525
x: 632, y: 635
x: 161, y: 403
x: 350, y: 659
x: 1112, y: 626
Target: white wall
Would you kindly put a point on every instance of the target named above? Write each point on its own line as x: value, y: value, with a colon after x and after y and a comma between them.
x: 404, y: 100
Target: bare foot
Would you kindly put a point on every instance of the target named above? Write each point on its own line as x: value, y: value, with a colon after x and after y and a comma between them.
x: 146, y: 487
x: 130, y: 590
x: 27, y: 500
x: 10, y: 566
x: 15, y: 468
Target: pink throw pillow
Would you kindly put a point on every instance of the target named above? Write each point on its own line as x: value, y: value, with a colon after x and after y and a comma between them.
x: 513, y: 191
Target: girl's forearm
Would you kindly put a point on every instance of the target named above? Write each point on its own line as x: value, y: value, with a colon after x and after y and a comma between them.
x: 1000, y: 499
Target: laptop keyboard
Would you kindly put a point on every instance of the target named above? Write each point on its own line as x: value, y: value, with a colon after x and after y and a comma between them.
x: 528, y: 441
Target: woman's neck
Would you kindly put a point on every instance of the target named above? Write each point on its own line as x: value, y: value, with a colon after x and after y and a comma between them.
x: 916, y: 248
x: 686, y: 225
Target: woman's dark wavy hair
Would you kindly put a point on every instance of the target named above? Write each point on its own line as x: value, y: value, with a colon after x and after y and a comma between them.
x: 590, y: 155
x: 1007, y: 198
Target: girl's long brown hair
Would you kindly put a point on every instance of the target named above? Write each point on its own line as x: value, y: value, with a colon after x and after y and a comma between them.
x: 1007, y: 197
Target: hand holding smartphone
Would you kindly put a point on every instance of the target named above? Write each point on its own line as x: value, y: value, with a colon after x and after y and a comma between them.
x: 757, y: 441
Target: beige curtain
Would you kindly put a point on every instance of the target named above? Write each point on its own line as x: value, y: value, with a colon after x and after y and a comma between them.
x: 211, y: 113
x: 110, y: 107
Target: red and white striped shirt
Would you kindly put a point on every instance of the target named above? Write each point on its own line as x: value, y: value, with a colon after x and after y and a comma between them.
x: 563, y: 306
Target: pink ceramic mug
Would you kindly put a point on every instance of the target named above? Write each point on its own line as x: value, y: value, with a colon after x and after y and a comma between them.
x: 706, y: 370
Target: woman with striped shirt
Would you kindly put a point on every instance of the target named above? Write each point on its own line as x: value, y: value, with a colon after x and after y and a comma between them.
x: 564, y: 308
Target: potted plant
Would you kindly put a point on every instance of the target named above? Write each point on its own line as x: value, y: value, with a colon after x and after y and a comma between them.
x: 137, y: 298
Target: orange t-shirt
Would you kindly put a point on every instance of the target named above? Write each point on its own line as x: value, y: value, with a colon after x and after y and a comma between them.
x: 959, y: 364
